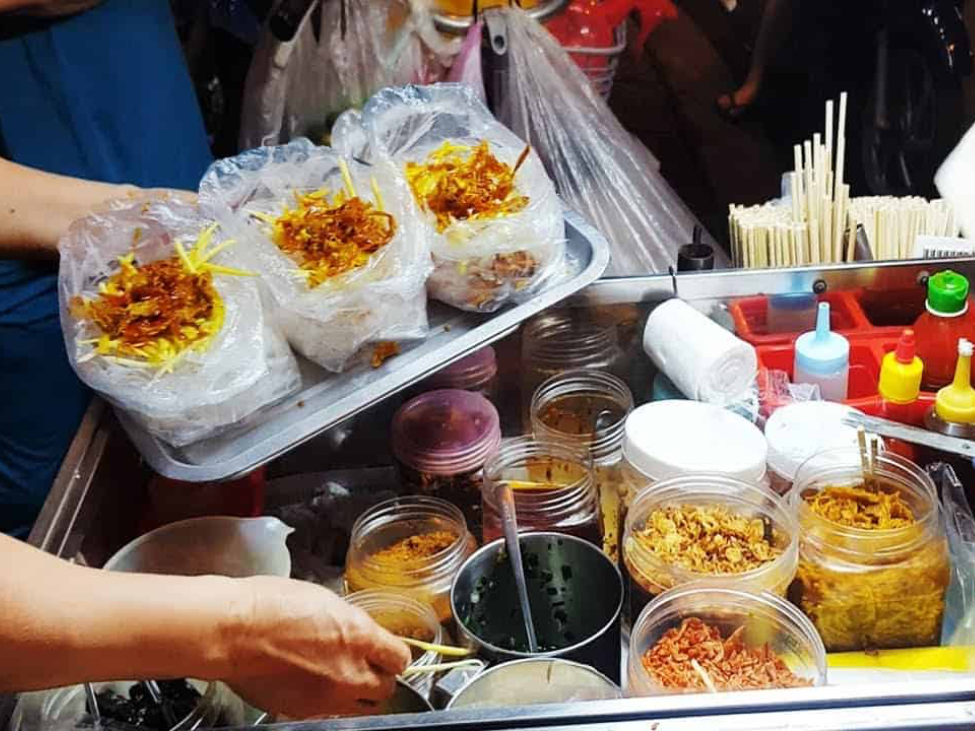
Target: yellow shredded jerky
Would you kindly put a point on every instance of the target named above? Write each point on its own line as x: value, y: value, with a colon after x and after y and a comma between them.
x: 458, y: 182
x: 856, y: 507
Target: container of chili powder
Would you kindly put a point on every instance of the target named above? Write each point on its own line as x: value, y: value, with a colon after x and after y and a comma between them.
x: 873, y: 557
x: 701, y: 638
x: 411, y: 545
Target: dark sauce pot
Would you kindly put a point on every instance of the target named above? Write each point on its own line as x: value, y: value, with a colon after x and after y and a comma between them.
x: 575, y: 592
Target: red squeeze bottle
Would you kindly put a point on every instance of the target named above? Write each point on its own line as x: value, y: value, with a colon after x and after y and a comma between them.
x: 948, y: 319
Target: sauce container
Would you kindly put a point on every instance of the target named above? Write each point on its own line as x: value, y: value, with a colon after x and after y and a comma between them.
x: 553, y: 486
x: 871, y: 588
x: 575, y: 592
x: 441, y: 441
x: 381, y: 536
x: 649, y: 574
x: 589, y: 408
x: 766, y: 619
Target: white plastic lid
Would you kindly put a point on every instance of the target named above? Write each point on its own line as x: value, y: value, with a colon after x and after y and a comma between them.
x: 665, y: 439
x: 798, y: 431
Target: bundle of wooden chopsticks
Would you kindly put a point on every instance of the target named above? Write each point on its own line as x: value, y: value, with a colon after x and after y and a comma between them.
x: 818, y: 224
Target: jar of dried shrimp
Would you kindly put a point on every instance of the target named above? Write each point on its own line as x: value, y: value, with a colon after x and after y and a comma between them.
x: 873, y: 557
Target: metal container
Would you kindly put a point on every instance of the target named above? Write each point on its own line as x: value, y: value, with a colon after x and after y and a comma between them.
x: 533, y: 681
x: 403, y: 700
x: 575, y: 591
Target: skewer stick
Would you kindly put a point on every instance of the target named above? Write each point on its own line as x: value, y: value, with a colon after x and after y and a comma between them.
x: 797, y: 185
x: 829, y: 142
x: 864, y: 458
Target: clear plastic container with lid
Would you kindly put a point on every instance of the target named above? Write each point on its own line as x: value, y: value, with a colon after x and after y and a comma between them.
x: 441, y: 441
x: 589, y: 408
x: 477, y: 372
x: 405, y: 617
x: 766, y: 624
x: 799, y: 430
x: 556, y: 342
x: 762, y: 519
x: 868, y: 586
x: 666, y: 439
x: 412, y: 546
x: 553, y: 487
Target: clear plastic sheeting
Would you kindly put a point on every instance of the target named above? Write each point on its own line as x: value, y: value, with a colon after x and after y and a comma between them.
x: 599, y: 168
x: 480, y: 263
x: 344, y: 51
x: 382, y: 300
x: 246, y: 365
x: 959, y: 622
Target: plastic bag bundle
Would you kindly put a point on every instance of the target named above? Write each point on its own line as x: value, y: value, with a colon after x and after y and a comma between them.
x: 344, y: 51
x: 481, y: 263
x: 327, y: 320
x: 467, y: 68
x: 600, y: 170
x: 195, y: 378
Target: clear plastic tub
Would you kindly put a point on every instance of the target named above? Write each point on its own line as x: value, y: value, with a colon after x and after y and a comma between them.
x: 426, y: 578
x: 767, y: 620
x: 405, y: 617
x: 871, y: 589
x: 477, y: 372
x: 648, y: 575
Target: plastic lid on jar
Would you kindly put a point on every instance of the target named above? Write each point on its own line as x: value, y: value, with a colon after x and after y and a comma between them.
x: 480, y: 366
x: 798, y: 431
x: 446, y: 432
x: 665, y: 439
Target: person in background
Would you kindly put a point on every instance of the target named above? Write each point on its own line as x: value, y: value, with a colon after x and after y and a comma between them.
x: 94, y: 90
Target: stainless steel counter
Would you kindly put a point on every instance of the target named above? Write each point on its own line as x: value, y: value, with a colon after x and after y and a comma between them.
x: 102, y: 486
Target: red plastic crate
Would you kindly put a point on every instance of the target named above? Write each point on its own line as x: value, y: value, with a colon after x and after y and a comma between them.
x: 750, y: 315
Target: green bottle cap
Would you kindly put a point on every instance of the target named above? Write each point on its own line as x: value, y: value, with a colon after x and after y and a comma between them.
x: 947, y: 292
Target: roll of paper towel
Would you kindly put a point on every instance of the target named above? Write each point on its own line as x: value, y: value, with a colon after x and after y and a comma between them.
x: 704, y: 360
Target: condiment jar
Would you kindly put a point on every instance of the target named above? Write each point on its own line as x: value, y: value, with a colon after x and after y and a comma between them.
x: 589, y: 408
x: 441, y: 441
x: 766, y: 618
x: 650, y: 575
x: 667, y: 439
x: 797, y: 431
x: 553, y: 485
x: 477, y: 372
x: 871, y: 589
x: 822, y: 358
x: 556, y: 342
x: 404, y: 616
x: 426, y: 578
x: 947, y: 318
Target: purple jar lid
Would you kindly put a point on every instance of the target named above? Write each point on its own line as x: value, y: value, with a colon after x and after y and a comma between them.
x: 446, y: 432
x: 469, y: 372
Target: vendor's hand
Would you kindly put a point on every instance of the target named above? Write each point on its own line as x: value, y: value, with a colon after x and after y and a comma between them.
x: 298, y: 649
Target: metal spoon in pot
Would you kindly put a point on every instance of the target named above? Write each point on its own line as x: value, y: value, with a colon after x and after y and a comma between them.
x: 509, y: 522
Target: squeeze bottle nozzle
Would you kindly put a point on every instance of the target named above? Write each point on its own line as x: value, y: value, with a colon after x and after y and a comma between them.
x: 956, y: 401
x: 901, y: 371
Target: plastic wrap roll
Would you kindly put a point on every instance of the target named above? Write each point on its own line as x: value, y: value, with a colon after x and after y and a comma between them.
x: 705, y: 361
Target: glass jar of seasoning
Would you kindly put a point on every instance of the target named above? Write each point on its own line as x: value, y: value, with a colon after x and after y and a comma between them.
x: 477, y: 372
x: 404, y: 616
x: 412, y: 546
x: 441, y: 441
x: 873, y: 558
x: 553, y: 486
x: 589, y: 408
x: 556, y: 342
x: 708, y: 527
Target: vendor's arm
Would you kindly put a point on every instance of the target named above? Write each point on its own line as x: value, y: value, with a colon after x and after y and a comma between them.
x: 287, y: 646
x: 36, y: 208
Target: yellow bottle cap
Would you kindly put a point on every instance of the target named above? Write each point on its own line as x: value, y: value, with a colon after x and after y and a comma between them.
x: 956, y: 401
x: 900, y: 372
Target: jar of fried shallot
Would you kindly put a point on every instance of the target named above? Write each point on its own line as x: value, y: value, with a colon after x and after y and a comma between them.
x: 873, y: 557
x: 412, y: 546
x: 589, y: 409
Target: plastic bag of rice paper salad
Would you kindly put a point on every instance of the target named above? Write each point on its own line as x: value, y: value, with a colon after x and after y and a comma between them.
x: 156, y: 320
x: 339, y: 244
x: 497, y: 223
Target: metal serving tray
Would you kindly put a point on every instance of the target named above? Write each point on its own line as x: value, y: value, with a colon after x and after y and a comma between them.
x: 326, y: 399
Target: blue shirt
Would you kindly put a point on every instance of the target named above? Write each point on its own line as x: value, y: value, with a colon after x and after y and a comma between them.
x: 103, y: 95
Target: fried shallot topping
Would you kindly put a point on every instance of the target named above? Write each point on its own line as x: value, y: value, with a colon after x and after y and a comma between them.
x: 458, y: 182
x: 857, y: 507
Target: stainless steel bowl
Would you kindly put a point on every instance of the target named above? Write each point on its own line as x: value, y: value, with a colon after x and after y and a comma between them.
x: 575, y: 591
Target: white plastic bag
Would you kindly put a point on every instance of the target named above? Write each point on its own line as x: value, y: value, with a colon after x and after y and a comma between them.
x: 467, y: 68
x: 599, y: 168
x: 247, y: 364
x: 480, y: 264
x: 383, y: 300
x: 344, y: 51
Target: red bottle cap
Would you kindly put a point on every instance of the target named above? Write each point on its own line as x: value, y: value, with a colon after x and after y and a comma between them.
x: 905, y: 347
